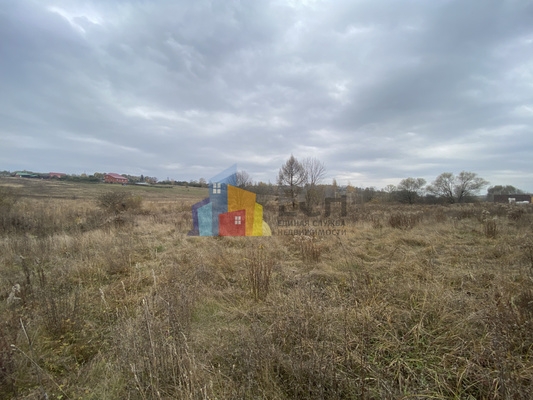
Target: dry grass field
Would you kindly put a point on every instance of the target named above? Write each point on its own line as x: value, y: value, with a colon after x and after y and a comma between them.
x: 412, y: 302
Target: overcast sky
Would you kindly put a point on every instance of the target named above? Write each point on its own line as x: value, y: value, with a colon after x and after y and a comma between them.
x: 377, y: 90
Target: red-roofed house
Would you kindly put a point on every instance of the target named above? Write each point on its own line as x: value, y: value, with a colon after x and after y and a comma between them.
x: 115, y: 178
x: 57, y: 175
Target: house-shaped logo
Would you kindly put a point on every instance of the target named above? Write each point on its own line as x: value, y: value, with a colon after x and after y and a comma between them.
x: 229, y: 210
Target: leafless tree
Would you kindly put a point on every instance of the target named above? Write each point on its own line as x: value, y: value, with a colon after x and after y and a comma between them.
x: 467, y: 185
x: 315, y: 172
x: 243, y: 179
x: 457, y: 189
x: 314, y: 169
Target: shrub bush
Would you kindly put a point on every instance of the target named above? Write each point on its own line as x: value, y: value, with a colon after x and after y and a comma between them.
x: 490, y: 228
x: 259, y: 273
x: 117, y: 202
x: 402, y: 220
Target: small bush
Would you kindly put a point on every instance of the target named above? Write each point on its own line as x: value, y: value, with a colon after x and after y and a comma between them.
x: 376, y: 222
x: 259, y: 273
x: 490, y: 228
x: 401, y: 220
x: 515, y: 213
x: 440, y: 216
x: 117, y: 202
x: 309, y: 248
x: 134, y: 203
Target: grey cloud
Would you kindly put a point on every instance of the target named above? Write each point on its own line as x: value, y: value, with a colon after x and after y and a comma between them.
x: 184, y: 89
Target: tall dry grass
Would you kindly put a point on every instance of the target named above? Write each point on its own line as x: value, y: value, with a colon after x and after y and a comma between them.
x: 93, y: 309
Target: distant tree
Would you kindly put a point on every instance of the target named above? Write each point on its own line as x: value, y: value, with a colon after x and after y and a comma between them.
x: 457, y: 189
x: 390, y: 188
x: 81, y: 178
x: 243, y: 179
x: 262, y: 188
x: 499, y: 189
x: 334, y: 187
x: 369, y: 194
x: 291, y: 178
x: 315, y: 171
x: 409, y: 189
x: 390, y: 191
x: 202, y: 182
x: 351, y: 193
x: 468, y: 185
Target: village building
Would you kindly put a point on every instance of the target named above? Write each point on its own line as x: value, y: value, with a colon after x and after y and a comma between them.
x: 115, y: 178
x: 56, y: 175
x: 513, y: 198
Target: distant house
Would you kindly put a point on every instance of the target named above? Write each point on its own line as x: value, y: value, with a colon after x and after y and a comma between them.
x: 25, y: 174
x: 56, y: 175
x: 115, y: 178
x: 512, y: 198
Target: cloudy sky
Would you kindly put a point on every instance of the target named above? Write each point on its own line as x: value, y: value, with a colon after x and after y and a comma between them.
x: 377, y: 90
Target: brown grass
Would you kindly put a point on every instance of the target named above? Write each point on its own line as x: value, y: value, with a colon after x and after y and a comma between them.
x: 93, y: 309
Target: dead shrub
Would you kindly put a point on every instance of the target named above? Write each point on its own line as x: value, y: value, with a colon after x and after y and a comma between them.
x: 515, y: 213
x: 120, y: 221
x: 376, y: 222
x: 134, y: 203
x: 118, y: 202
x: 259, y: 267
x: 117, y: 257
x: 440, y: 216
x: 465, y: 213
x: 60, y: 309
x: 309, y: 247
x: 403, y: 220
x: 490, y: 228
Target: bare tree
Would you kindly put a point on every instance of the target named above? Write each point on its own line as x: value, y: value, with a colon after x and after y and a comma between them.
x: 314, y: 169
x: 442, y: 186
x: 410, y: 189
x: 467, y: 185
x: 457, y: 189
x: 315, y: 172
x: 390, y: 190
x: 243, y: 179
x: 291, y: 178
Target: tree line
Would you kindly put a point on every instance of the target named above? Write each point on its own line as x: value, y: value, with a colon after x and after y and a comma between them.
x: 303, y: 182
x: 306, y: 177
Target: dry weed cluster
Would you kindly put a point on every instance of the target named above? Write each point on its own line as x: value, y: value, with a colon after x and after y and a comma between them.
x: 92, y: 308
